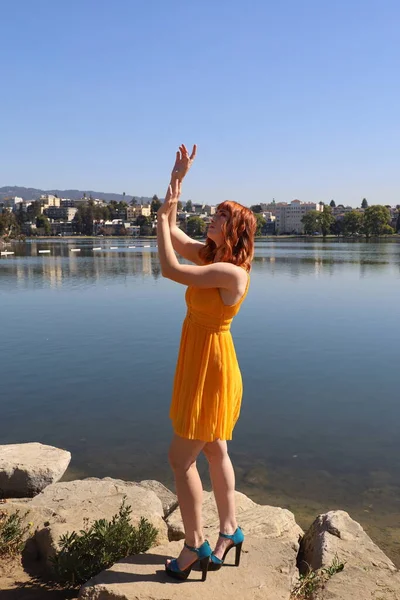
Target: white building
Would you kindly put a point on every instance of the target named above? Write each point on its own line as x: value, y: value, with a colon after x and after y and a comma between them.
x: 49, y: 200
x: 288, y: 216
x: 138, y: 210
x: 11, y: 201
x: 342, y: 210
x: 24, y: 205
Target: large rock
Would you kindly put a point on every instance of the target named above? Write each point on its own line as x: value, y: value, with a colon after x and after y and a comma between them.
x: 74, y: 501
x: 265, y: 573
x: 26, y: 469
x: 268, y: 566
x: 33, y: 517
x: 168, y: 498
x: 368, y: 573
x: 255, y: 519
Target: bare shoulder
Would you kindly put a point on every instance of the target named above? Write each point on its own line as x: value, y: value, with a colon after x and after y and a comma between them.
x: 237, y: 275
x: 231, y: 294
x: 211, y: 275
x: 238, y: 272
x: 243, y: 278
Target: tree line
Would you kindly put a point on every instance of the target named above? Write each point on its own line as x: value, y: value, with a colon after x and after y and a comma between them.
x: 374, y: 221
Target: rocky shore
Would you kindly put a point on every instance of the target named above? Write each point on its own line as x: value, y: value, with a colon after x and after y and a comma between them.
x: 276, y: 550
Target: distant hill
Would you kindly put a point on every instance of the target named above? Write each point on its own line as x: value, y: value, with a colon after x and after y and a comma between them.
x: 34, y: 193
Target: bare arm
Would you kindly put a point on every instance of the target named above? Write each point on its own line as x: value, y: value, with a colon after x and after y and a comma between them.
x: 183, y: 243
x: 186, y: 246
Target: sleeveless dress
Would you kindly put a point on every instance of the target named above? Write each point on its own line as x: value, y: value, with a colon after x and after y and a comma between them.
x: 207, y: 391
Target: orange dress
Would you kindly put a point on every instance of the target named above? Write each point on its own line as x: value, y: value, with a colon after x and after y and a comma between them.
x: 207, y: 390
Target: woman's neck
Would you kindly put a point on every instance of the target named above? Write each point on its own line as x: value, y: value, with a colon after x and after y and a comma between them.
x: 218, y: 255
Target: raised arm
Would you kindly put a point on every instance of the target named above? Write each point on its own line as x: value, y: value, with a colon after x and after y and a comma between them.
x: 221, y: 274
x: 186, y: 246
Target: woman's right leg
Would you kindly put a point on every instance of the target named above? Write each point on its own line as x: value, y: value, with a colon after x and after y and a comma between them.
x: 182, y: 457
x: 223, y: 482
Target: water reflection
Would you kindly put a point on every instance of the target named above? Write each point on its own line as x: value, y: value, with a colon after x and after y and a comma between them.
x: 29, y: 268
x: 62, y: 266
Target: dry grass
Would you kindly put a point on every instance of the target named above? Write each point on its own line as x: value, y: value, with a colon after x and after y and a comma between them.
x: 312, y: 581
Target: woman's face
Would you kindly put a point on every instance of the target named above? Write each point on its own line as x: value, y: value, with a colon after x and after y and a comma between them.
x: 214, y: 231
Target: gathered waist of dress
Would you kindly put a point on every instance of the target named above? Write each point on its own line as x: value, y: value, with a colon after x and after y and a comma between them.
x: 211, y: 324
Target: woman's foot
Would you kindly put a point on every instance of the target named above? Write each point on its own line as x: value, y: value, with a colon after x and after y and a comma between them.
x: 186, y: 558
x: 221, y: 547
x: 226, y: 542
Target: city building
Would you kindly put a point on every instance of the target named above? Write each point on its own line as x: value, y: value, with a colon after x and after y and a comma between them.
x: 132, y: 229
x: 80, y: 202
x: 62, y: 213
x: 137, y: 210
x: 288, y: 216
x: 270, y: 225
x: 115, y: 227
x: 62, y: 228
x: 67, y: 203
x: 48, y: 200
x: 206, y: 209
x: 24, y: 205
x: 11, y: 202
x: 342, y: 210
x: 182, y: 216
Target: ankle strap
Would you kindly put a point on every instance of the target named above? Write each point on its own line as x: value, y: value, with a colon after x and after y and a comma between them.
x: 202, y: 551
x: 229, y: 536
x: 192, y: 548
x: 205, y: 544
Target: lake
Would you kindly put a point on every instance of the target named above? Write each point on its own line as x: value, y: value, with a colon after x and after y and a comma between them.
x: 89, y: 342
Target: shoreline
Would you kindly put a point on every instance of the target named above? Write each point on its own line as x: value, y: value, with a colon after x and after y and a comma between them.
x: 383, y: 526
x: 58, y: 501
x: 300, y: 237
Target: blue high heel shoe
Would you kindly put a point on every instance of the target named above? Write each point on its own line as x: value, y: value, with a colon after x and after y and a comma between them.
x: 203, y: 555
x: 237, y: 541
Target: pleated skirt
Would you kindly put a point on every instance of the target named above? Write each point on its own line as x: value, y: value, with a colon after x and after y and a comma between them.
x: 207, y: 391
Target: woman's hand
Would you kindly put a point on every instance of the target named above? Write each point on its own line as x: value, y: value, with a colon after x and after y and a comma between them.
x: 183, y: 162
x: 171, y: 198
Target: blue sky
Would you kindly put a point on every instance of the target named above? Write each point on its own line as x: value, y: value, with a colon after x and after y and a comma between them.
x: 290, y: 99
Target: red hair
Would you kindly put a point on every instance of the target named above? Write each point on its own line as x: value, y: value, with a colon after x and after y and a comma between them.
x: 238, y: 231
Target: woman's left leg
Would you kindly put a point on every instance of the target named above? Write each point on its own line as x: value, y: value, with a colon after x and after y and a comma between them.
x: 182, y: 457
x: 222, y: 478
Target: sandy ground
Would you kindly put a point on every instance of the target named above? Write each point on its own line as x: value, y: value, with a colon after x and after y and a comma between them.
x: 20, y: 580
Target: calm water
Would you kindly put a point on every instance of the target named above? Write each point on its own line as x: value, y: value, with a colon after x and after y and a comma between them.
x: 89, y: 342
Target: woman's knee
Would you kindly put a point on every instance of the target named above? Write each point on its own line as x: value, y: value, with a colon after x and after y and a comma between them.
x: 179, y: 463
x: 183, y: 453
x: 215, y: 451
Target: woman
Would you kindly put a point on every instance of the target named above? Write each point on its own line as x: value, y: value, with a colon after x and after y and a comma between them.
x: 208, y: 386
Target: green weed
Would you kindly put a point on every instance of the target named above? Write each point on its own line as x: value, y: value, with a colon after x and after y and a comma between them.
x: 83, y: 555
x: 12, y: 533
x: 311, y: 581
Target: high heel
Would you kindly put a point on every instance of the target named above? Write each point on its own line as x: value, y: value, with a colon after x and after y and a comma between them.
x: 237, y: 539
x: 203, y: 556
